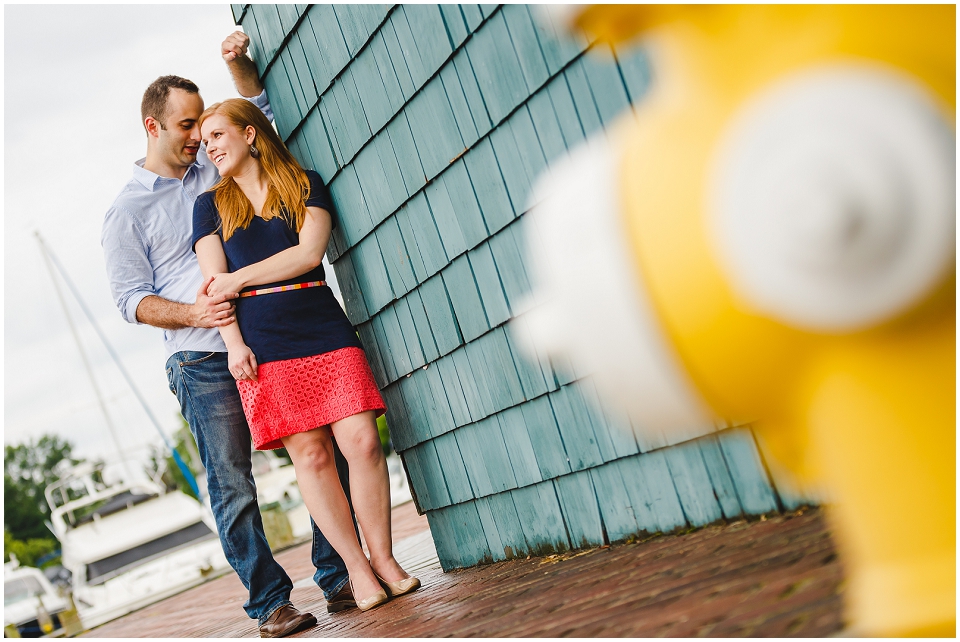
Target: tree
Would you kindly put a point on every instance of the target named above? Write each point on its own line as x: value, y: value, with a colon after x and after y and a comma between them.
x: 28, y: 470
x: 30, y: 551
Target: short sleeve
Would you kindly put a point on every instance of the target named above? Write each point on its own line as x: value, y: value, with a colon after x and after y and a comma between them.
x: 319, y: 195
x: 206, y: 218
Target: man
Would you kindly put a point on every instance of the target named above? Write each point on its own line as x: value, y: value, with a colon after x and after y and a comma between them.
x: 154, y: 278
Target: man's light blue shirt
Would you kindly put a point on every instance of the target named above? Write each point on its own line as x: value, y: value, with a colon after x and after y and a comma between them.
x: 146, y: 241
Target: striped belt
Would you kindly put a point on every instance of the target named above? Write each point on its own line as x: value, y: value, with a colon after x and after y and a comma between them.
x: 284, y: 288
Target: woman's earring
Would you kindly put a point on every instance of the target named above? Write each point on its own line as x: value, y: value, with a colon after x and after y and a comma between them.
x: 254, y: 152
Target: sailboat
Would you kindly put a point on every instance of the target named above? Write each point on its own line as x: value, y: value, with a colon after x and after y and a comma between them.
x: 127, y: 542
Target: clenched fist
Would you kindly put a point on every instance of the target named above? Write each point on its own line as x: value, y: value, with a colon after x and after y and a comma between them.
x: 234, y: 46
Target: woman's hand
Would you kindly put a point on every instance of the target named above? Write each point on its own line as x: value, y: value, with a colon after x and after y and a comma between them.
x: 242, y: 363
x: 225, y: 284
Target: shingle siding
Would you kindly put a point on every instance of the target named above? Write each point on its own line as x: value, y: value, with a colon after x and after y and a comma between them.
x: 430, y: 123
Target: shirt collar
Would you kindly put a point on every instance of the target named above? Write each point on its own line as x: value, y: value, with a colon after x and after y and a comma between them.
x: 144, y: 176
x: 201, y: 156
x: 149, y: 179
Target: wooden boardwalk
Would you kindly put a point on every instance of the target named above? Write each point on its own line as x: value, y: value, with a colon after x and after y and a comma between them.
x: 778, y: 577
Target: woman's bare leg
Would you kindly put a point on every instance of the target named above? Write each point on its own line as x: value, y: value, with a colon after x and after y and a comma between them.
x: 359, y: 442
x: 312, y: 455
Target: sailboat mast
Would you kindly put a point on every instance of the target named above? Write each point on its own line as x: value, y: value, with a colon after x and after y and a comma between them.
x: 83, y: 355
x: 178, y: 460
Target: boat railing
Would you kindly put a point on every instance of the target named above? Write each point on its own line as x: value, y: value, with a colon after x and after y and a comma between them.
x: 81, y: 494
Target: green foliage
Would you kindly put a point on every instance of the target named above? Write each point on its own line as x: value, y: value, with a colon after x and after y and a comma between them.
x: 21, y: 509
x: 28, y: 469
x: 29, y: 551
x: 384, y: 431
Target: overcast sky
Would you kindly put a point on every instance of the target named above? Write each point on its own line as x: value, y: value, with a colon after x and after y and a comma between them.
x: 74, y: 76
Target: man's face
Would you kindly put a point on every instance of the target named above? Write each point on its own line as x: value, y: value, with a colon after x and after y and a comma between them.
x: 179, y: 139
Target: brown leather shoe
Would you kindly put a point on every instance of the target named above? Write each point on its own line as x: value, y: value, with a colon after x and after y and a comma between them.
x: 342, y: 601
x: 286, y: 621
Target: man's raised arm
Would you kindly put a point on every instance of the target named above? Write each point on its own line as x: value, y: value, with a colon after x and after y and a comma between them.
x: 242, y: 69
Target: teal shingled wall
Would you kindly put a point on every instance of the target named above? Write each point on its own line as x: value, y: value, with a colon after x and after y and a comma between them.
x: 430, y: 123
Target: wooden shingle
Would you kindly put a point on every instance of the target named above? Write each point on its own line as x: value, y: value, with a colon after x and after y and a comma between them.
x: 422, y: 324
x: 541, y: 518
x: 454, y: 471
x: 446, y: 218
x: 520, y: 447
x: 524, y: 41
x: 488, y: 283
x: 616, y: 507
x: 720, y: 479
x: 443, y: 322
x: 430, y: 124
x: 488, y: 186
x: 754, y: 490
x: 692, y: 482
x: 497, y: 68
x: 465, y: 297
x: 578, y: 502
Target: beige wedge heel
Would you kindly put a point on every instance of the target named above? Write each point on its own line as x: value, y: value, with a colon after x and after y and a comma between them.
x: 373, y: 601
x: 400, y: 587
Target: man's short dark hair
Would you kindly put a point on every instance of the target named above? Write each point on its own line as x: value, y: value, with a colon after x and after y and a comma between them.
x: 154, y: 103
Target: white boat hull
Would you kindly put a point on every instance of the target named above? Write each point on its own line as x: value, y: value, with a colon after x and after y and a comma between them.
x: 150, y: 582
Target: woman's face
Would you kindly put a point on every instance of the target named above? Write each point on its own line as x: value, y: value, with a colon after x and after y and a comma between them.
x: 228, y: 147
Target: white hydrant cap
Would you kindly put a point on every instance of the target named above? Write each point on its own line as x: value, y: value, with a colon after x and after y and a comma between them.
x: 833, y: 197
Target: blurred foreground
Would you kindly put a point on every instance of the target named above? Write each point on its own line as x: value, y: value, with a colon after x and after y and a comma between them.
x: 776, y: 577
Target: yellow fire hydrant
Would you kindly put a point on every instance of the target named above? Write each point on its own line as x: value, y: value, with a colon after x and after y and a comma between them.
x: 785, y: 196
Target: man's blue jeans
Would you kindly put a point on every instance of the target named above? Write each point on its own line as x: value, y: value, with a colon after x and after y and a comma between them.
x: 211, y: 405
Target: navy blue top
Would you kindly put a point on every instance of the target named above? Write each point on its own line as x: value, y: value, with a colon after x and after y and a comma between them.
x: 281, y: 325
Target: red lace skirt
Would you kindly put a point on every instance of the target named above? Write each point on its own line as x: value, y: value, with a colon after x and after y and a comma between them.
x: 297, y: 395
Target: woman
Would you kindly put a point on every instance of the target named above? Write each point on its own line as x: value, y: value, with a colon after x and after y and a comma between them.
x: 300, y: 369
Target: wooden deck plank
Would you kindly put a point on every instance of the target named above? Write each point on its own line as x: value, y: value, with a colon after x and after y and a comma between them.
x: 778, y: 578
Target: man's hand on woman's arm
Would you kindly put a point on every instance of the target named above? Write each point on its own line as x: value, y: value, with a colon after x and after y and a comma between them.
x: 212, y: 260
x: 206, y: 312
